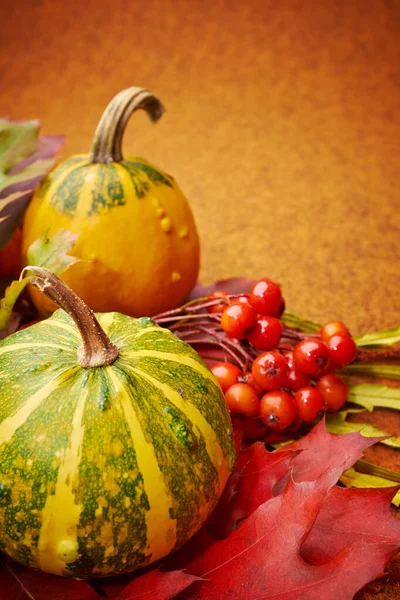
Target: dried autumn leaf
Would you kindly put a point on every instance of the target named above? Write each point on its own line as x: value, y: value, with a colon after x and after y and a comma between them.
x: 22, y: 583
x: 44, y: 252
x: 323, y: 450
x: 352, y: 478
x: 261, y: 559
x: 157, y: 585
x: 260, y: 474
x: 357, y: 514
x: 256, y: 473
x: 9, y: 588
x: 266, y: 557
x: 24, y: 160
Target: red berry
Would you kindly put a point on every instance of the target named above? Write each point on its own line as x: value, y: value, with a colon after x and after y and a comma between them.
x: 266, y: 297
x: 311, y: 356
x: 238, y: 319
x: 342, y: 349
x: 220, y: 306
x: 281, y: 309
x: 329, y: 368
x: 249, y: 379
x: 296, y: 380
x: 242, y: 399
x: 243, y: 300
x: 310, y: 403
x: 288, y: 354
x: 334, y: 391
x: 266, y: 333
x: 295, y: 426
x: 332, y: 328
x: 253, y: 428
x: 277, y: 410
x: 270, y: 370
x: 226, y: 374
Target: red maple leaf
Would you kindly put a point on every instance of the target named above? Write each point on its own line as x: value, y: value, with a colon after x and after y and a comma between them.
x: 22, y: 583
x: 157, y: 585
x: 298, y: 543
x: 300, y: 537
x: 257, y: 472
x: 349, y: 515
x: 322, y: 450
x: 262, y: 558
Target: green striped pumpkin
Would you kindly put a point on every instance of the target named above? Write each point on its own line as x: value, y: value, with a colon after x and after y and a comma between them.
x: 104, y: 469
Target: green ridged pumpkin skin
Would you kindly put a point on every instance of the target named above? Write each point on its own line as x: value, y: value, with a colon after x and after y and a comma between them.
x: 104, y: 470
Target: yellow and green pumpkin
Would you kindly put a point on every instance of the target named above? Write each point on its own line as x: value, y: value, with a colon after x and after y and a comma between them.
x: 137, y: 238
x: 114, y: 451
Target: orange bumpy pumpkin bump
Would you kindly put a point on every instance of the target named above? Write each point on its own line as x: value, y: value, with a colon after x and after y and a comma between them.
x: 137, y: 239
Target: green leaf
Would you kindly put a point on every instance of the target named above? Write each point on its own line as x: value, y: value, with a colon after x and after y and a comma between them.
x: 10, y: 298
x: 51, y: 252
x: 353, y: 478
x: 364, y: 466
x: 385, y: 337
x: 369, y: 370
x: 17, y: 141
x: 292, y: 320
x: 336, y: 423
x: 371, y: 395
x: 24, y: 160
x: 36, y: 169
x: 43, y: 252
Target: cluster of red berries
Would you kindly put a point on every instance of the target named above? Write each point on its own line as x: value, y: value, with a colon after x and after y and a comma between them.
x: 287, y: 384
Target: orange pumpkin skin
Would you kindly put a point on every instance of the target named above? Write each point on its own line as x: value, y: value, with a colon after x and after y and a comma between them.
x: 139, y: 255
x: 137, y: 238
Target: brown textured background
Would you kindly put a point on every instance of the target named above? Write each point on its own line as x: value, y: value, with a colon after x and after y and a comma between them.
x: 282, y: 128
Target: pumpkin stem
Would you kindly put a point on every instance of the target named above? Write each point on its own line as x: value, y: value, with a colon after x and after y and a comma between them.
x: 97, y: 349
x: 107, y: 141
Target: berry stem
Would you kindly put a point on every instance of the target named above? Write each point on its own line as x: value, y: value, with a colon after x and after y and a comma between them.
x: 229, y: 345
x: 196, y: 305
x: 294, y: 334
x: 373, y: 355
x: 193, y: 319
x: 183, y: 318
